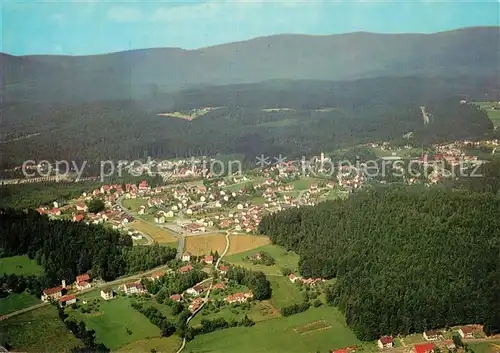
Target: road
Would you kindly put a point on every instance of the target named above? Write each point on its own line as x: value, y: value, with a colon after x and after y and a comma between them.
x: 208, y: 292
x: 119, y: 202
x: 97, y: 286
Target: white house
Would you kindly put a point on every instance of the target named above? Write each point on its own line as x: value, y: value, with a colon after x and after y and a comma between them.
x: 107, y: 294
x: 186, y: 256
x: 385, y: 342
x: 169, y: 214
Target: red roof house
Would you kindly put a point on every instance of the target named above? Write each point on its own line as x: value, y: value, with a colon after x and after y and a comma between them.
x: 83, y: 278
x: 424, y: 348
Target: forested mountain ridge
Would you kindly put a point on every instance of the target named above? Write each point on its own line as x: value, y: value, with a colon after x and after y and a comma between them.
x: 143, y: 73
x: 406, y: 260
x: 381, y: 109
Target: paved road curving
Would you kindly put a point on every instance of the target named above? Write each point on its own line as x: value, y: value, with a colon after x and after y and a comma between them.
x: 183, y: 345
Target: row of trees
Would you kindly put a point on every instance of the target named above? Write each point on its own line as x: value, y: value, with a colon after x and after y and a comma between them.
x: 256, y: 281
x: 392, y: 249
x: 66, y: 249
x: 220, y: 323
x: 157, y: 318
x: 173, y: 284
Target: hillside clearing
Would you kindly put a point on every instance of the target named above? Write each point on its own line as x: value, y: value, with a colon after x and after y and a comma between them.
x: 19, y: 265
x: 280, y: 335
x: 285, y: 293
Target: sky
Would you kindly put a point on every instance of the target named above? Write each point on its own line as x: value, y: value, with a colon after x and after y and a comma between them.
x: 83, y: 27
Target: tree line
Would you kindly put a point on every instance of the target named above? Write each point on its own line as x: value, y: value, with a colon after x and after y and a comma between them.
x: 393, y: 249
x: 256, y: 281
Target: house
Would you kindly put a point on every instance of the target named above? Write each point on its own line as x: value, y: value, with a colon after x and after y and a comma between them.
x: 52, y: 293
x: 385, y: 342
x: 239, y: 297
x: 107, y: 294
x: 186, y: 256
x: 186, y: 268
x: 467, y: 331
x: 424, y: 348
x: 450, y: 345
x: 196, y: 290
x: 219, y: 286
x: 169, y: 214
x: 208, y: 259
x: 432, y: 335
x: 176, y: 297
x: 223, y: 269
x: 159, y: 218
x: 81, y: 207
x: 82, y: 281
x: 77, y: 218
x: 195, y: 304
x: 67, y: 300
x: 133, y: 288
x: 293, y: 278
x: 156, y: 275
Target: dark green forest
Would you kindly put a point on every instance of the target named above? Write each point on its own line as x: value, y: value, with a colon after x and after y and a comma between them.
x: 66, y: 249
x: 372, y: 110
x: 405, y: 259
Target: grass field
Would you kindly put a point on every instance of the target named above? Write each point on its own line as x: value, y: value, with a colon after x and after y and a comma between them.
x: 280, y: 335
x: 305, y: 183
x: 160, y: 235
x: 284, y: 292
x: 112, y: 321
x: 494, y: 115
x: 283, y: 258
x: 241, y: 243
x: 239, y: 186
x: 39, y: 330
x: 134, y: 204
x: 484, y: 347
x: 16, y: 301
x: 160, y: 344
x: 20, y: 265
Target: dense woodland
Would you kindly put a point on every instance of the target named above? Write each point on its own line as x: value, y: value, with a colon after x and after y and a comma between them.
x: 66, y: 249
x: 380, y: 109
x: 406, y: 259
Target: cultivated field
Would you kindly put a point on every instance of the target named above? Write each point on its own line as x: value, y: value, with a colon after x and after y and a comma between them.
x: 19, y: 265
x: 283, y: 258
x: 280, y: 335
x: 285, y: 292
x: 160, y: 344
x: 38, y: 331
x: 112, y: 321
x: 16, y: 301
x: 241, y: 243
x: 203, y: 244
x: 159, y: 235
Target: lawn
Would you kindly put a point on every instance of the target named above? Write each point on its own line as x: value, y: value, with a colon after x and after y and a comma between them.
x: 484, y: 347
x: 160, y: 344
x: 112, y: 321
x: 39, y: 330
x: 159, y: 235
x: 239, y: 186
x: 239, y: 243
x: 134, y: 204
x: 305, y: 183
x: 16, y: 301
x: 281, y: 335
x: 285, y: 292
x: 283, y: 258
x: 20, y: 265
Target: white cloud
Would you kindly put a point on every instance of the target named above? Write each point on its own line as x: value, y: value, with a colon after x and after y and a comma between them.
x: 125, y: 14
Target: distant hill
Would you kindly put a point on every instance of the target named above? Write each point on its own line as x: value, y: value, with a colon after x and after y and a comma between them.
x: 474, y: 52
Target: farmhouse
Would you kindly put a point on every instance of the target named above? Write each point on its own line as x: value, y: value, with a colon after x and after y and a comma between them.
x: 293, y: 278
x: 385, y: 342
x: 107, y: 294
x: 223, y: 269
x: 133, y: 288
x: 156, y: 275
x: 67, y: 300
x: 176, y: 297
x: 208, y: 259
x: 467, y: 331
x: 432, y: 335
x: 239, y: 297
x: 186, y: 256
x: 186, y: 268
x: 196, y: 290
x: 424, y: 348
x: 82, y: 282
x: 52, y: 293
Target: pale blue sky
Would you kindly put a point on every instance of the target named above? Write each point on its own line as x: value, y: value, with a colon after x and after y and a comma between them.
x: 89, y: 27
